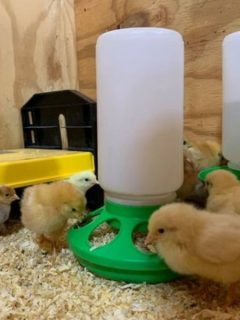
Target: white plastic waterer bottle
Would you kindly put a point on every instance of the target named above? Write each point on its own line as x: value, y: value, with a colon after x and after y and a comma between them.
x: 231, y: 99
x: 140, y: 76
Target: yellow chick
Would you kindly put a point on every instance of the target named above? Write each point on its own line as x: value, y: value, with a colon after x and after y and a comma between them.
x: 224, y: 192
x: 197, y: 242
x: 46, y: 209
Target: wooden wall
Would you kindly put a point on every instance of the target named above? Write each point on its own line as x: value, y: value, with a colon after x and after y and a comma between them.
x: 203, y: 24
x: 37, y: 53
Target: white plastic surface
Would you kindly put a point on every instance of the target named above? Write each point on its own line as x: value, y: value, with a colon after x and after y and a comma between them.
x: 231, y: 97
x: 140, y: 111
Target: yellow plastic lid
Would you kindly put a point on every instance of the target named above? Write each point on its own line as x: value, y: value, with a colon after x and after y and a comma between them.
x: 24, y: 167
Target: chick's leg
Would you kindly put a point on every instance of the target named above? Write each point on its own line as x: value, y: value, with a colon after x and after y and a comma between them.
x: 202, y: 288
x: 54, y: 250
x: 231, y: 294
x: 3, y: 229
x: 44, y: 243
x: 54, y: 238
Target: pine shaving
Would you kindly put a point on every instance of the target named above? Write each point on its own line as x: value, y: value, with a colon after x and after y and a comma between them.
x: 32, y: 287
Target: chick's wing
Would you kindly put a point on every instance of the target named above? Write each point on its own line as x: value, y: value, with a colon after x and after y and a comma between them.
x: 220, y: 243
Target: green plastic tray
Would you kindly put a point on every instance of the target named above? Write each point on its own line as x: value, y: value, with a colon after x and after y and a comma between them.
x: 120, y: 259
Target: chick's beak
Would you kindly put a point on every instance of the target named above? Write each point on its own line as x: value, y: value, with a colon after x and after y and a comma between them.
x: 77, y: 215
x: 149, y: 239
x: 16, y: 197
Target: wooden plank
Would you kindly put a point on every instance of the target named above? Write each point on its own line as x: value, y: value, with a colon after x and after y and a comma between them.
x: 203, y: 24
x: 37, y: 53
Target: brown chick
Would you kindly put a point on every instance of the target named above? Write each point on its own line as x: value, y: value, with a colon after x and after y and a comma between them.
x: 197, y: 242
x: 190, y: 179
x: 7, y: 196
x: 197, y: 157
x: 191, y: 190
x: 224, y: 192
x: 46, y: 209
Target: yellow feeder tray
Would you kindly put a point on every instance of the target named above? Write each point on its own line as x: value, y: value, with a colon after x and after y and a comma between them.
x: 24, y: 167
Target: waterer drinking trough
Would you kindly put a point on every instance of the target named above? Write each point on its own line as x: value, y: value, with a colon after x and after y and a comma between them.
x: 140, y: 152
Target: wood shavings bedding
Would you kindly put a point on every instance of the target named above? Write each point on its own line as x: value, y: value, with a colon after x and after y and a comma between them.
x: 33, y: 288
x: 105, y: 234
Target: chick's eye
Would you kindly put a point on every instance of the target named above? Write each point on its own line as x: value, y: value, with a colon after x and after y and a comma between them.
x: 161, y: 230
x: 7, y: 194
x: 74, y: 209
x: 86, y: 179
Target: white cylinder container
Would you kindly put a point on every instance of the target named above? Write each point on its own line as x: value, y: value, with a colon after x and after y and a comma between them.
x: 231, y: 98
x: 140, y: 77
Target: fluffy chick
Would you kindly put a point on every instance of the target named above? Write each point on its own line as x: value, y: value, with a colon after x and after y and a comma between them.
x: 197, y: 242
x: 46, y: 209
x: 83, y: 180
x: 224, y: 192
x: 204, y: 154
x: 7, y: 196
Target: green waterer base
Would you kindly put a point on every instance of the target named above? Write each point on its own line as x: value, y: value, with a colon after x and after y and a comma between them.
x: 120, y: 259
x: 203, y: 173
